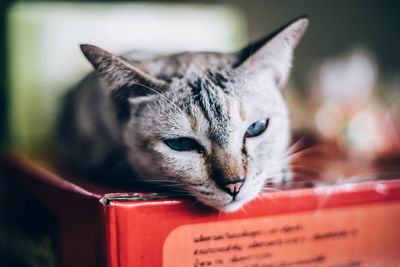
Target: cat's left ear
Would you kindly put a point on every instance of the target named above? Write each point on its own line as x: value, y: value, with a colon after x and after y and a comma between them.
x: 273, y: 52
x: 124, y: 79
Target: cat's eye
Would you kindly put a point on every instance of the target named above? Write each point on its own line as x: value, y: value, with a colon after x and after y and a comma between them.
x: 257, y: 128
x: 183, y: 144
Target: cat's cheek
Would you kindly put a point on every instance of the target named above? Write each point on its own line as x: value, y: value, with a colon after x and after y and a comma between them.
x: 267, y: 154
x: 251, y: 189
x: 141, y: 164
x: 183, y: 164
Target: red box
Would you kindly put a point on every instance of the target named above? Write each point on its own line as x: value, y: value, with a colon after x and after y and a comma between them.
x: 352, y: 224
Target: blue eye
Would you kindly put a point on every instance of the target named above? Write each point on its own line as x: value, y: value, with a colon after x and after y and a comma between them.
x: 257, y: 128
x: 183, y: 144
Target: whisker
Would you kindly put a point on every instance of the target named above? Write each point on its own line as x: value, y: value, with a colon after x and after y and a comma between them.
x: 297, y: 173
x: 306, y: 152
x: 295, y: 145
x: 304, y: 167
x: 268, y: 188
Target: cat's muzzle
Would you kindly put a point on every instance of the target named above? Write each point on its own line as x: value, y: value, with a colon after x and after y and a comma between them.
x: 232, y: 187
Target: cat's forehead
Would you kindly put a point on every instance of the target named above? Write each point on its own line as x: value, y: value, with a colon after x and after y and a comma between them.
x: 215, y: 101
x: 208, y: 93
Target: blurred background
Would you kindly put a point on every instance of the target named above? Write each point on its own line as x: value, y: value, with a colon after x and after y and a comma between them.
x: 344, y: 89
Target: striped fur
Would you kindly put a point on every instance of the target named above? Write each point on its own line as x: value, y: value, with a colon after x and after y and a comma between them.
x: 115, y: 121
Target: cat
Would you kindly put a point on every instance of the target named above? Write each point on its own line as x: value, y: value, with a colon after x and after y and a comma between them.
x: 212, y: 125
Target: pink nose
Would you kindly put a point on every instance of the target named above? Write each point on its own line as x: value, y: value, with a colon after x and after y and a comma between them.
x: 233, y: 187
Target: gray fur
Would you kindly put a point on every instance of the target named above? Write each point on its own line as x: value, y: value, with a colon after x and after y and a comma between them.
x: 117, y: 120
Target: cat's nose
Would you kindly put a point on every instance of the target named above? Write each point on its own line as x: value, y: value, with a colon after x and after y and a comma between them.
x: 233, y: 187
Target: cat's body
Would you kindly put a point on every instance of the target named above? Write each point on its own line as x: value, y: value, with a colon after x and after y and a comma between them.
x: 210, y: 124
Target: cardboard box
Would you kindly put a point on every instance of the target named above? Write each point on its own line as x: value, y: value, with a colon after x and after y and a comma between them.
x: 55, y: 222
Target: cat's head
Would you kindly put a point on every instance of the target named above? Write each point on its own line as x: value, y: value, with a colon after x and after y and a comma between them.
x: 218, y: 128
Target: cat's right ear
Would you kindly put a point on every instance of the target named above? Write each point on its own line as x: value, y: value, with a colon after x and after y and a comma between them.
x: 123, y: 78
x: 273, y: 53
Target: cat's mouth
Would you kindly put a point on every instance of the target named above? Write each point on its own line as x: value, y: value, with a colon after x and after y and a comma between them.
x: 236, y: 202
x: 224, y: 201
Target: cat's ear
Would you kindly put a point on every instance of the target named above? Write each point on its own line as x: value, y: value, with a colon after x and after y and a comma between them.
x: 273, y: 52
x: 124, y: 79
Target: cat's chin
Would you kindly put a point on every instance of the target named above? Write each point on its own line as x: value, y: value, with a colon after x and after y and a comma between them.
x: 232, y: 207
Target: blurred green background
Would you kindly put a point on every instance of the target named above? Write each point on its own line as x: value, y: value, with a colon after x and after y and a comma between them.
x: 40, y: 58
